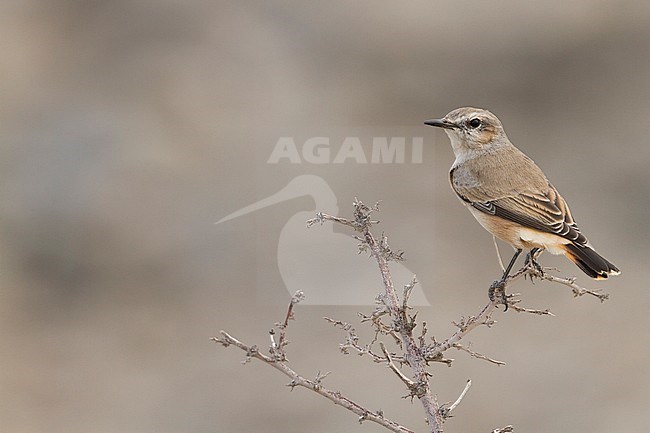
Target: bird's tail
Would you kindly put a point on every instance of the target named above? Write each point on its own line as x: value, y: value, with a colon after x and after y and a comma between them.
x: 591, y: 263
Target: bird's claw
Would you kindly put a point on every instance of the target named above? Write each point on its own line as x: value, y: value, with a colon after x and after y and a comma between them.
x: 497, y: 292
x: 535, y: 266
x: 532, y: 263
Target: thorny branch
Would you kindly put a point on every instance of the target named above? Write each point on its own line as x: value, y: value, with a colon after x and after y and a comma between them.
x: 477, y: 355
x: 278, y: 360
x: 391, y: 319
x: 402, y: 323
x: 277, y: 349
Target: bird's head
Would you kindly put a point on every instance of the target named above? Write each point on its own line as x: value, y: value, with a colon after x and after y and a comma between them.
x: 470, y: 128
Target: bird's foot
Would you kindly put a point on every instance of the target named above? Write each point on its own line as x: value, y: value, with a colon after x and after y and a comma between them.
x: 497, y: 293
x: 532, y: 263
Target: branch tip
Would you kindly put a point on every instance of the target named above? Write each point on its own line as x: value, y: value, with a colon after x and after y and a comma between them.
x: 445, y: 412
x: 506, y: 429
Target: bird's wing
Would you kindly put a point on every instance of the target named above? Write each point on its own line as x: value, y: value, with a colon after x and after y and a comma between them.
x: 544, y: 211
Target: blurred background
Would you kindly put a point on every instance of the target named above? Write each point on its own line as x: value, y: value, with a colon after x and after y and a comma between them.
x: 130, y: 127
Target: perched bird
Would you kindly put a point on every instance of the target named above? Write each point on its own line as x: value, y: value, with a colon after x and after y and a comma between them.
x: 510, y: 196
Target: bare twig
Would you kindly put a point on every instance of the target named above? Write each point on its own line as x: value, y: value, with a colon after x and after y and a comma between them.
x: 277, y: 349
x: 380, y: 326
x: 519, y: 309
x: 460, y: 397
x: 570, y: 282
x: 278, y: 360
x: 532, y: 272
x: 402, y: 324
x: 413, y: 355
x: 446, y: 411
x: 484, y: 317
x: 477, y: 355
x: 408, y: 288
x: 506, y: 429
x: 315, y: 385
x: 408, y: 382
x: 352, y: 341
x: 496, y: 247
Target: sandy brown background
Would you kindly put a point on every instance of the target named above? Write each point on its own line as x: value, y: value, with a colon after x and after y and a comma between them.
x: 129, y: 127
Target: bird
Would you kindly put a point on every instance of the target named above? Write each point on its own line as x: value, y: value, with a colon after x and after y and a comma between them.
x: 511, y: 197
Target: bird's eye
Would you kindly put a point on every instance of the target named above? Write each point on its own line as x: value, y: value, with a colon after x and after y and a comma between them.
x: 474, y: 123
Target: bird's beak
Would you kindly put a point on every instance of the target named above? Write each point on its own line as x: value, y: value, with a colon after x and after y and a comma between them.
x: 441, y: 123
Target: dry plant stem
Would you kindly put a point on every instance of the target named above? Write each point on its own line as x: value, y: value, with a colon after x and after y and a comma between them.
x: 570, y: 282
x: 413, y: 355
x: 484, y: 317
x: 352, y: 341
x: 408, y: 382
x: 466, y: 326
x: 277, y: 348
x: 496, y: 247
x: 314, y: 385
x: 478, y: 355
x: 455, y: 404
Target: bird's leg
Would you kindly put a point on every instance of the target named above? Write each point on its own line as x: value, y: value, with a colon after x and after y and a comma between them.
x: 510, y: 265
x: 498, y: 289
x: 531, y: 259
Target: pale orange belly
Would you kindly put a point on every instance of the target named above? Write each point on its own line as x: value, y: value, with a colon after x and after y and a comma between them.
x: 517, y: 235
